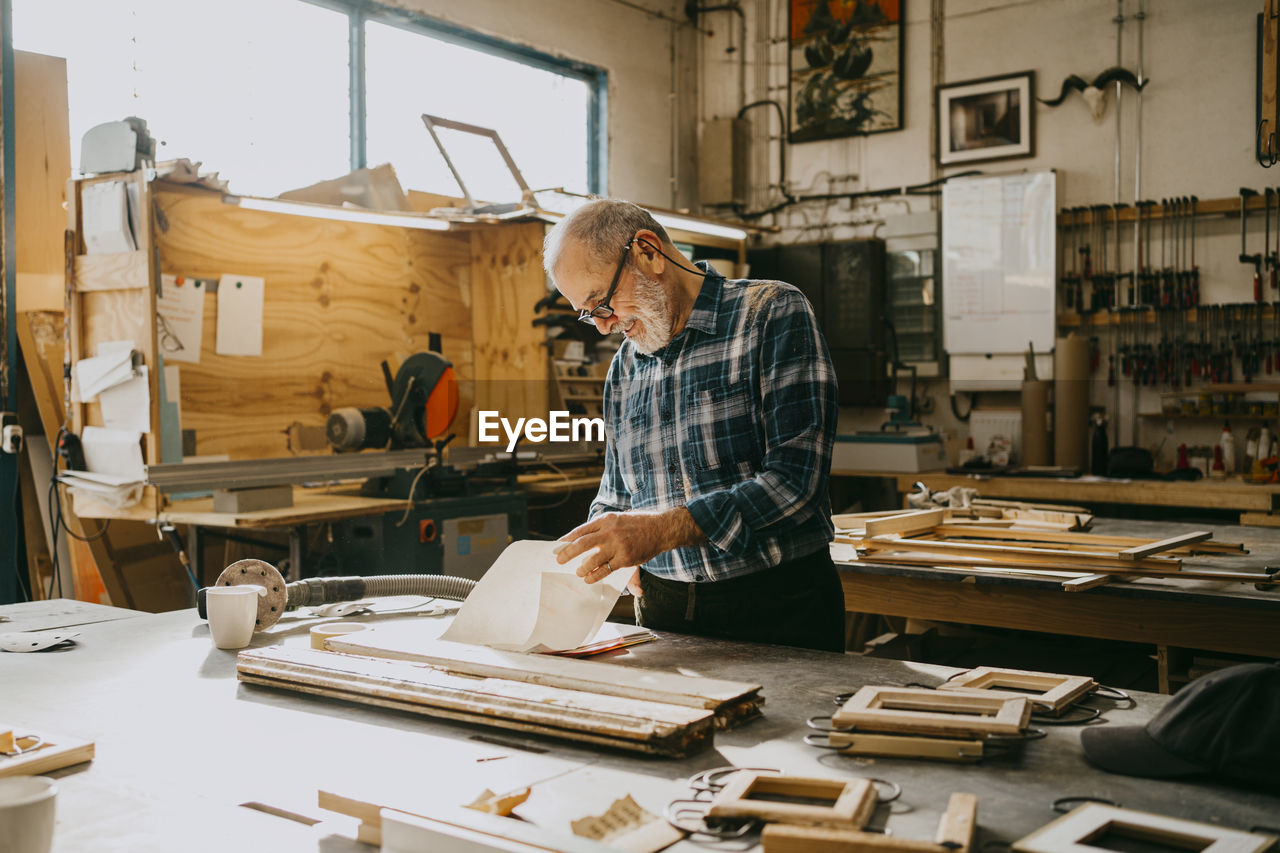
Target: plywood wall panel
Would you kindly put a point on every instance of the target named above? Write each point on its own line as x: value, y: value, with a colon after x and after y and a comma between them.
x: 507, y: 280
x: 42, y: 151
x: 340, y: 298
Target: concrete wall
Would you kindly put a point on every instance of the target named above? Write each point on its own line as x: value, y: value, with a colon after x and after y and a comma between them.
x: 639, y: 52
x: 1197, y: 135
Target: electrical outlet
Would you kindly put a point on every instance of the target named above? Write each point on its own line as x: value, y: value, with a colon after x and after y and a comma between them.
x: 10, y: 433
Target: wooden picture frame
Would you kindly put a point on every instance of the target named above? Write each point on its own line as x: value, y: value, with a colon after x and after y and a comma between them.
x: 1049, y: 691
x: 930, y: 712
x: 1073, y: 832
x: 955, y: 834
x: 906, y: 746
x: 844, y: 65
x: 766, y: 796
x: 30, y: 753
x: 992, y: 118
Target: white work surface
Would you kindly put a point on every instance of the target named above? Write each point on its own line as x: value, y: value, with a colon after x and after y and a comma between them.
x: 180, y: 744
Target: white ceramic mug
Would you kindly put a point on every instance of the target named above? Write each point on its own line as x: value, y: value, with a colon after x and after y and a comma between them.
x: 26, y: 814
x: 233, y: 611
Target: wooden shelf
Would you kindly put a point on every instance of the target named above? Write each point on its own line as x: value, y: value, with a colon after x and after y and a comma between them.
x: 1111, y: 317
x: 1230, y: 416
x: 1228, y: 388
x: 1204, y: 207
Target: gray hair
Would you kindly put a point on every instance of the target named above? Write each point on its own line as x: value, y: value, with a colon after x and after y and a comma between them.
x: 603, y: 226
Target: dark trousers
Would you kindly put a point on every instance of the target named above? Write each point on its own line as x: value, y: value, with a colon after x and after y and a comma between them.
x: 799, y: 603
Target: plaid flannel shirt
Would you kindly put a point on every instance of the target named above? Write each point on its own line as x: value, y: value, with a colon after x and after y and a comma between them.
x: 733, y: 419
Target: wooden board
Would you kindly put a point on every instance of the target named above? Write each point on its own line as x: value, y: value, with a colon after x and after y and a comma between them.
x: 1048, y: 690
x: 1074, y: 832
x: 1020, y: 553
x: 905, y: 524
x: 919, y: 711
x: 310, y: 506
x: 56, y: 752
x: 42, y: 159
x: 1052, y: 567
x: 511, y: 360
x: 631, y: 724
x: 1097, y: 541
x: 730, y: 700
x: 1138, y: 552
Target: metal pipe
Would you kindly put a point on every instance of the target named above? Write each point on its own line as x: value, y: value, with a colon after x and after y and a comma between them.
x: 1119, y: 22
x: 1137, y: 145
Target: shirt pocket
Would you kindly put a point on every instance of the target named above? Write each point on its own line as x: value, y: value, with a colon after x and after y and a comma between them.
x: 724, y: 430
x: 633, y: 447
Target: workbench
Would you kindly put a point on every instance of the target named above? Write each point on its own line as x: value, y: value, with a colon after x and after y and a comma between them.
x: 1170, y: 614
x: 180, y: 745
x: 1257, y: 503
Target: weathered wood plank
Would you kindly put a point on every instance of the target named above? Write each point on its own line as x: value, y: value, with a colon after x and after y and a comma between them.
x: 626, y: 723
x: 730, y: 699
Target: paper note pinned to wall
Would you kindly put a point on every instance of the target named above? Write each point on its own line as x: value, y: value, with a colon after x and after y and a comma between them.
x: 529, y: 602
x: 240, y: 299
x: 92, y: 376
x: 105, y: 213
x: 180, y: 327
x: 114, y: 451
x: 128, y: 405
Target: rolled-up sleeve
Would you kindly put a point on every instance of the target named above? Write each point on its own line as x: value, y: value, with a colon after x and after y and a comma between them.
x: 799, y: 401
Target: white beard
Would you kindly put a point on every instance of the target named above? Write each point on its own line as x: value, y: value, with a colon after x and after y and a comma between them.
x: 653, y: 310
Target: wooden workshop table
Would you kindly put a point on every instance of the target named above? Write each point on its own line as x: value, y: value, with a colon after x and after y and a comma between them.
x: 180, y: 745
x: 1171, y: 614
x: 311, y: 505
x: 1258, y: 504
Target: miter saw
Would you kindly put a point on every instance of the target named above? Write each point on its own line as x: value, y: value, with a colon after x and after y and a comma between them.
x: 424, y: 401
x: 463, y: 513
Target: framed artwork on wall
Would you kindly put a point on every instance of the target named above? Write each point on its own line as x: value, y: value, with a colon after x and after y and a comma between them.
x: 845, y: 67
x: 988, y: 119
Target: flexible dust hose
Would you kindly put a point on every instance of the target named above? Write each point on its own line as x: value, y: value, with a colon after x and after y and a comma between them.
x: 310, y: 592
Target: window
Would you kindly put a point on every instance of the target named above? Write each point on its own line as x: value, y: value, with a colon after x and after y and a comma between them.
x: 261, y: 91
x: 266, y: 104
x: 540, y: 115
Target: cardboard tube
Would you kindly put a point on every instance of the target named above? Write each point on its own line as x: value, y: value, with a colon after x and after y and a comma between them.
x: 1071, y: 402
x: 1036, y: 445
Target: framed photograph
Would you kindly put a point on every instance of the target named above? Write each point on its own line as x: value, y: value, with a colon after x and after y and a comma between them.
x: 845, y: 67
x: 988, y: 119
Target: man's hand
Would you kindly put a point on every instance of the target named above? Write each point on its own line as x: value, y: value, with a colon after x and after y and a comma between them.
x: 624, y: 540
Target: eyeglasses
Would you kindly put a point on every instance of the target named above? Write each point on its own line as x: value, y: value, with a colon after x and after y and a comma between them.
x: 603, y: 310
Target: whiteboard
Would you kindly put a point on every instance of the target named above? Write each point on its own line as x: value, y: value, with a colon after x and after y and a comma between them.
x: 999, y: 263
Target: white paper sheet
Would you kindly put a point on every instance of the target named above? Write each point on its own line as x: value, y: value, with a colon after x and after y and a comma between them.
x: 113, y: 451
x: 240, y: 299
x: 128, y: 405
x: 181, y: 310
x: 529, y: 602
x: 104, y: 211
x: 97, y: 374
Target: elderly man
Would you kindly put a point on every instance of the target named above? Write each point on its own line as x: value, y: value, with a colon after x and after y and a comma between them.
x: 720, y: 413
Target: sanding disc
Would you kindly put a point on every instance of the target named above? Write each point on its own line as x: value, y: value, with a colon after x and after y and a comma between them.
x: 259, y: 573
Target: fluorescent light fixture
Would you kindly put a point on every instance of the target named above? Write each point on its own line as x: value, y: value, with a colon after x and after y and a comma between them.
x: 341, y: 214
x: 698, y: 226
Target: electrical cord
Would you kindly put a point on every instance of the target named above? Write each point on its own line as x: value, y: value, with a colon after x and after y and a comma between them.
x: 17, y: 572
x: 673, y: 260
